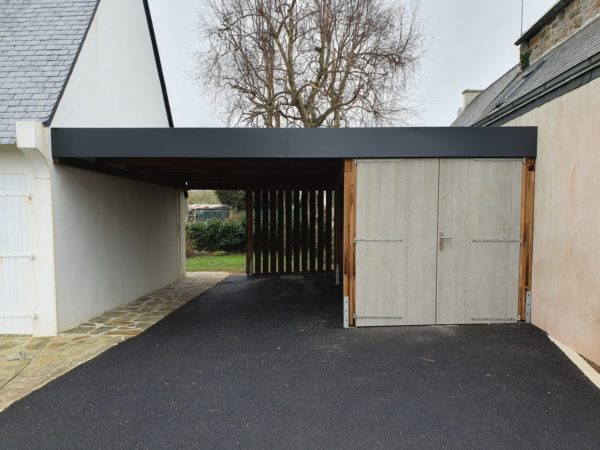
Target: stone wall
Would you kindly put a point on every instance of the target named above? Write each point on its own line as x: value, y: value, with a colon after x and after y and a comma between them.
x: 569, y: 20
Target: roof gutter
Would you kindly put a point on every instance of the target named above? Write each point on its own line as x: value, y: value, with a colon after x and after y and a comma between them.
x: 568, y: 81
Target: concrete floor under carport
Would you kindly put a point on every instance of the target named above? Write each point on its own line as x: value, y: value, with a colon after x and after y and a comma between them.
x: 263, y: 363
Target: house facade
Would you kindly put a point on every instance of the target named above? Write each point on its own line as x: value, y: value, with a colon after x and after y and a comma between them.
x: 557, y: 89
x: 75, y: 243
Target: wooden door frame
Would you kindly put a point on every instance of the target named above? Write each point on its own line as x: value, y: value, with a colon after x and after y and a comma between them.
x: 526, y: 250
x: 349, y: 235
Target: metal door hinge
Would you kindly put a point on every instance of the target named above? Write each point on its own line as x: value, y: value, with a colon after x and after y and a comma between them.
x: 15, y: 194
x: 377, y: 240
x: 528, y: 301
x: 18, y: 316
x: 376, y: 317
x: 16, y: 255
x: 346, y: 312
x: 497, y: 240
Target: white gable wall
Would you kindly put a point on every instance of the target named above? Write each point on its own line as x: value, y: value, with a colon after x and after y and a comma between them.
x: 115, y: 82
x: 115, y: 239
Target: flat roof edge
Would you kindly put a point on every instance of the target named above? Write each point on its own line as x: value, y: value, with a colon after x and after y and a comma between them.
x: 408, y: 142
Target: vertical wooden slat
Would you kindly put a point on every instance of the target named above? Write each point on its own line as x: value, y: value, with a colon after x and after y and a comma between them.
x: 265, y: 232
x: 304, y: 251
x: 349, y: 264
x: 526, y: 250
x: 288, y: 231
x: 273, y: 230
x: 328, y: 229
x: 249, y: 233
x: 312, y: 244
x: 320, y: 231
x: 257, y: 233
x: 280, y: 235
x: 297, y: 228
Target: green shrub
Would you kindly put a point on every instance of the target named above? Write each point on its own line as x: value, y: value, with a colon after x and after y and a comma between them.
x: 218, y: 235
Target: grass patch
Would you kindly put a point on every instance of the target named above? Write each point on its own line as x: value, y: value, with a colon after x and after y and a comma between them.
x: 217, y: 262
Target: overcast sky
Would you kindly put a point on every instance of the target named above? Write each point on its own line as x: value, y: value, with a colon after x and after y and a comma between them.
x: 470, y: 46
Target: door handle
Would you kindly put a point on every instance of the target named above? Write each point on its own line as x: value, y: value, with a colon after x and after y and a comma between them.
x: 442, y: 239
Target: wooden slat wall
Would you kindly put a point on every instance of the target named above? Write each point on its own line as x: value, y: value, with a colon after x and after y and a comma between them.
x: 291, y: 231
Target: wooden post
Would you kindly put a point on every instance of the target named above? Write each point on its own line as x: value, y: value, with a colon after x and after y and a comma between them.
x: 273, y: 230
x: 257, y: 233
x: 349, y: 264
x: 280, y: 233
x: 264, y: 240
x: 297, y: 228
x: 338, y: 217
x: 249, y: 233
x: 526, y: 251
x: 320, y: 231
x: 304, y: 252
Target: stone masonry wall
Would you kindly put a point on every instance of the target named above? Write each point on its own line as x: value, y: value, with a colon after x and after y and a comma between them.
x: 572, y: 18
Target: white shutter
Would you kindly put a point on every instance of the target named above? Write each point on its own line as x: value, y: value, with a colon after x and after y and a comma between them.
x: 15, y: 259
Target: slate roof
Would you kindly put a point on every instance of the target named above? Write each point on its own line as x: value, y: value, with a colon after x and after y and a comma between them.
x: 477, y: 108
x: 39, y: 44
x: 515, y: 86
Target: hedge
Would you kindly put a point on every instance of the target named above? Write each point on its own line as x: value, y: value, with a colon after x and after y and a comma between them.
x: 218, y: 235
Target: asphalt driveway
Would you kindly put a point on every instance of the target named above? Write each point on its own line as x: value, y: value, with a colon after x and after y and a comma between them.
x: 263, y: 363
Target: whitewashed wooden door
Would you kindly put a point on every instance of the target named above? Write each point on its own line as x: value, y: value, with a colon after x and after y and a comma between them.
x: 396, y: 242
x: 478, y: 241
x: 15, y: 259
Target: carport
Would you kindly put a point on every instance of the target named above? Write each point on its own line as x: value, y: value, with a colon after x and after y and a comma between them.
x: 421, y: 225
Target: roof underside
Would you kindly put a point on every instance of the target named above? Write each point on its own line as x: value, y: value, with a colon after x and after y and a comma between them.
x: 244, y: 158
x: 39, y: 42
x: 578, y: 56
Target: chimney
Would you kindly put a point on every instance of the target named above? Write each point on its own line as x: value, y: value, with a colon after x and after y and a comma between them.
x: 563, y: 20
x: 469, y: 95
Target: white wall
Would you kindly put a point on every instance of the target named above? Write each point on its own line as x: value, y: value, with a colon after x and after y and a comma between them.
x: 566, y: 238
x: 115, y: 240
x: 30, y: 157
x: 115, y: 82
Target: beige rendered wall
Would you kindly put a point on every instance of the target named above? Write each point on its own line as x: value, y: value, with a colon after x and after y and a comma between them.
x: 566, y: 249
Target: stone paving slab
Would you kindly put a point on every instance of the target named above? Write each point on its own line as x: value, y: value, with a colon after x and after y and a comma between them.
x: 46, y: 358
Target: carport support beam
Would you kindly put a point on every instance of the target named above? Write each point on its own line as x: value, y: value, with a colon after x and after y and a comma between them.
x: 526, y: 251
x: 349, y: 255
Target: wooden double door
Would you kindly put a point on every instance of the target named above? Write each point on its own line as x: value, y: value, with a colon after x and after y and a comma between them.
x: 437, y: 241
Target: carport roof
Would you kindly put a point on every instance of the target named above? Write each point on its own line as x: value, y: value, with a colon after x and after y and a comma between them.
x: 245, y: 158
x: 428, y: 142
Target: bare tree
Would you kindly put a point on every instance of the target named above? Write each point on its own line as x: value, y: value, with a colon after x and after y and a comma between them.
x: 311, y: 63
